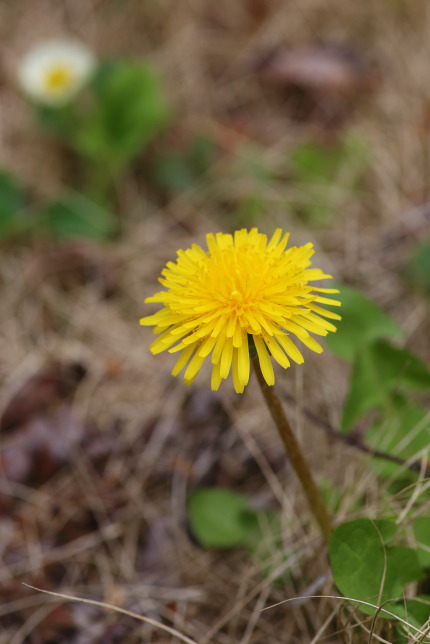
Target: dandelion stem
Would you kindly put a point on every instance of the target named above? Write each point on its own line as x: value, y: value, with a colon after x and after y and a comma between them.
x: 295, y: 454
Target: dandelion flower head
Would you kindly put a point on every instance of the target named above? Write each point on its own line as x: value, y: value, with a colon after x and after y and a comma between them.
x: 54, y: 71
x: 243, y: 287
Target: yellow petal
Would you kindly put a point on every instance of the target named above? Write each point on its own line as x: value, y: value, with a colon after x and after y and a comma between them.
x: 264, y: 360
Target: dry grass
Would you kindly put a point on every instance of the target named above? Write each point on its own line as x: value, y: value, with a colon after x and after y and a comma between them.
x: 155, y: 438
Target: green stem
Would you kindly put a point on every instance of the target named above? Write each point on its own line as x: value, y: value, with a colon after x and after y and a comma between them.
x: 295, y: 454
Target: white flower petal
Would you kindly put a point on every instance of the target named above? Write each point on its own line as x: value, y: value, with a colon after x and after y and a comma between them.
x: 54, y: 71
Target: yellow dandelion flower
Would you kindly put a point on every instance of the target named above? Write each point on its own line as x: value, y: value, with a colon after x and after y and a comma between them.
x: 243, y: 286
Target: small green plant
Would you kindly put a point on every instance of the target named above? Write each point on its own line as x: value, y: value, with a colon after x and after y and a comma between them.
x: 371, y: 567
x: 120, y: 113
x: 107, y: 113
x: 74, y: 215
x: 369, y: 560
x: 383, y: 377
x: 71, y: 215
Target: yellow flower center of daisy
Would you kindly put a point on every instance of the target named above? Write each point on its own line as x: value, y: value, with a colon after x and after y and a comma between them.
x: 59, y: 78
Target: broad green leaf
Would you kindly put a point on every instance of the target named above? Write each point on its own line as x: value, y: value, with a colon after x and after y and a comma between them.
x: 419, y: 266
x: 379, y: 372
x: 221, y: 518
x: 421, y: 528
x: 76, y: 216
x: 403, y: 567
x: 362, y: 322
x: 128, y: 110
x: 357, y: 560
x: 366, y: 569
x: 12, y: 203
x: 403, y: 430
x: 387, y: 529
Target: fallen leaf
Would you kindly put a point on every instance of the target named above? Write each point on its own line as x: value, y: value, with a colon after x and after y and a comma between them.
x: 323, y: 68
x: 53, y: 383
x: 41, y: 445
x: 325, y: 80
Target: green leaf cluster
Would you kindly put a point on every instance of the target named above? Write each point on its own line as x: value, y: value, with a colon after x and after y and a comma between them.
x: 122, y: 115
x: 383, y: 377
x: 74, y: 215
x: 121, y: 111
x: 71, y: 215
x: 369, y: 567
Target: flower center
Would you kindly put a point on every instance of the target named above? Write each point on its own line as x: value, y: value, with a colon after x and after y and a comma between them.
x: 235, y: 295
x: 58, y: 78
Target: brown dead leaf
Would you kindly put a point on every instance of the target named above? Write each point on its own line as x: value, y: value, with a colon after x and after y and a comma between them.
x: 41, y: 428
x: 49, y: 386
x: 40, y: 446
x: 322, y: 79
x: 323, y: 68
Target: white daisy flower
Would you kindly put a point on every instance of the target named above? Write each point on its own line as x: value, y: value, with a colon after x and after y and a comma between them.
x: 54, y: 71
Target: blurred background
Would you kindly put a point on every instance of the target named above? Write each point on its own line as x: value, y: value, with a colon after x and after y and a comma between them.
x: 186, y: 118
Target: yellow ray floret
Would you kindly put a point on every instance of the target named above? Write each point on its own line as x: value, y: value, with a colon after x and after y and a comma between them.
x: 243, y: 289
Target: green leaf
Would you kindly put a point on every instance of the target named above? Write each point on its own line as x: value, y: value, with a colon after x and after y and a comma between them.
x: 365, y: 569
x: 380, y: 371
x: 421, y: 528
x: 128, y: 110
x: 12, y: 203
x: 419, y: 266
x: 76, y: 216
x: 387, y: 529
x: 403, y: 567
x: 220, y: 518
x: 362, y: 322
x: 415, y: 611
x: 404, y: 431
x: 357, y: 559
